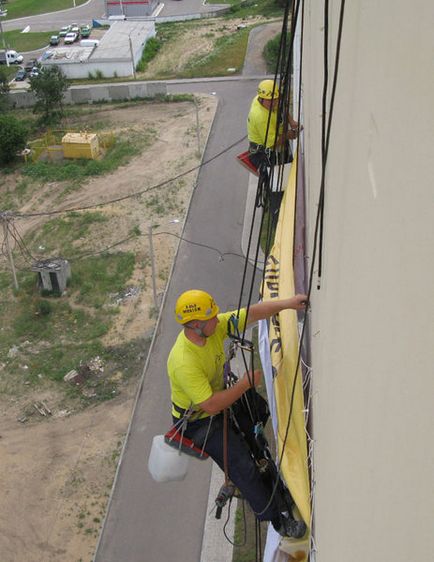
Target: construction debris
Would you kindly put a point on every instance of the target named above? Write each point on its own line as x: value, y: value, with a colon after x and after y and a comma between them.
x: 42, y: 408
x: 127, y: 293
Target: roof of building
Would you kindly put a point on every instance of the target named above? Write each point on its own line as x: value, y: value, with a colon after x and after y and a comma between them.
x: 113, y: 45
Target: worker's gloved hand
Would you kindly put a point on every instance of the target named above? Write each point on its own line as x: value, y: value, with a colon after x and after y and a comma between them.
x: 299, y: 302
x: 253, y: 378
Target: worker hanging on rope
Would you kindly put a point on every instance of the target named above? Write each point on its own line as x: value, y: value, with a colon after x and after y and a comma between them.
x: 195, y: 367
x: 269, y: 135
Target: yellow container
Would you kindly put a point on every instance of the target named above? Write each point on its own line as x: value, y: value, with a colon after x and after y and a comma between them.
x: 80, y: 145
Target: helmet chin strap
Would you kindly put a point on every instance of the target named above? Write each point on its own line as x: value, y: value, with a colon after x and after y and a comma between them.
x: 198, y: 330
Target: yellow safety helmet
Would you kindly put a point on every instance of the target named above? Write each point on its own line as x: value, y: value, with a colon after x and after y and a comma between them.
x: 267, y: 90
x: 195, y: 305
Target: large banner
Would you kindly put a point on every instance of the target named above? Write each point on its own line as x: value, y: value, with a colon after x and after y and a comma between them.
x: 283, y: 344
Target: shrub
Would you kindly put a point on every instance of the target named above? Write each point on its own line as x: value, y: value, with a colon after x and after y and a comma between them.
x: 271, y: 52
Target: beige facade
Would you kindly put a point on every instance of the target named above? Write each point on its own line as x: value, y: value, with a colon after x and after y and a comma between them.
x: 372, y: 319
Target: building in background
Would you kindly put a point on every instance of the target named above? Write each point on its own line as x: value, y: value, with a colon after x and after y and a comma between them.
x: 116, y: 54
x: 130, y: 9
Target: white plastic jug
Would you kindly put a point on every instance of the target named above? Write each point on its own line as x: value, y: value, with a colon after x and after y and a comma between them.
x: 166, y: 463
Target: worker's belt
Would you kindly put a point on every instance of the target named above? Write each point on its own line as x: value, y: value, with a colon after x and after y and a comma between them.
x: 175, y: 438
x: 182, y: 412
x: 255, y: 148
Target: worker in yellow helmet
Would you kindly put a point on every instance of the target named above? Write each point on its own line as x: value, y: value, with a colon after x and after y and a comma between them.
x: 195, y: 368
x: 268, y: 143
x: 263, y: 109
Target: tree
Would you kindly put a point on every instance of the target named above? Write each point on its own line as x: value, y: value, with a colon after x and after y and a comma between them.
x: 4, y: 91
x: 49, y: 87
x: 13, y: 137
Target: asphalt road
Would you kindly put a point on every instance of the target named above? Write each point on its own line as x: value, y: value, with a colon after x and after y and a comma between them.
x: 146, y: 521
x: 95, y: 9
x: 55, y: 20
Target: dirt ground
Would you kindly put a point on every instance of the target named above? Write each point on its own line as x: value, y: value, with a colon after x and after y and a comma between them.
x: 57, y: 471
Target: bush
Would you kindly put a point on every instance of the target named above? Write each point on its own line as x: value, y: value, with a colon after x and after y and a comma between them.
x: 49, y: 88
x: 271, y: 52
x: 4, y: 91
x: 44, y: 308
x: 13, y: 138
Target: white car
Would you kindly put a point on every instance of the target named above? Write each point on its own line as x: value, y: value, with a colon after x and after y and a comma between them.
x: 70, y: 38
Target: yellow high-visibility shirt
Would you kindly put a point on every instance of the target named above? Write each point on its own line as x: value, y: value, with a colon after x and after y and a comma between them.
x: 196, y: 372
x: 257, y: 121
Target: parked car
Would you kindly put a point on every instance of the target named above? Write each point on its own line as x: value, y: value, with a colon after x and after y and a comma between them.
x: 54, y: 40
x: 20, y: 75
x: 29, y: 65
x: 64, y: 30
x: 12, y: 57
x: 70, y: 38
x: 75, y: 29
x: 34, y: 72
x: 85, y: 31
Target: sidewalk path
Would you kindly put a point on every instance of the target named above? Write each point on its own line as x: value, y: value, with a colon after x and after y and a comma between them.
x: 254, y: 63
x: 161, y: 522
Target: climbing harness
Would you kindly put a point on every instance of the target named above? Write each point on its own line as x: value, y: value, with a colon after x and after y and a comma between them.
x: 175, y: 436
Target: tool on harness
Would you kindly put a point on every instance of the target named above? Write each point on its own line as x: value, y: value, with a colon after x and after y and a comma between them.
x: 226, y: 492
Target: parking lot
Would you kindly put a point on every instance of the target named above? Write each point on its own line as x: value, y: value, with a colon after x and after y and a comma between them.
x: 68, y: 36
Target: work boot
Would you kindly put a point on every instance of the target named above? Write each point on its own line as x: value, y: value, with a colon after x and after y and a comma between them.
x: 291, y: 528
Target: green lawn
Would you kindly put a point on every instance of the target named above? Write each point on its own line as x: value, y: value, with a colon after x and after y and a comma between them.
x: 22, y: 8
x: 246, y: 8
x: 228, y: 52
x: 23, y: 42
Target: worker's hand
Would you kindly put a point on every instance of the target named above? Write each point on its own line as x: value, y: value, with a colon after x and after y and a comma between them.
x: 292, y: 134
x: 299, y: 302
x: 252, y: 378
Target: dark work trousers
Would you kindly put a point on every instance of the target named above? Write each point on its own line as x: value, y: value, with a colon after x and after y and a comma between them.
x: 242, y: 469
x: 261, y: 161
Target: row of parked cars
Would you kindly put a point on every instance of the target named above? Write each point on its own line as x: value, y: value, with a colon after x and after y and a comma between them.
x: 31, y: 69
x: 70, y: 34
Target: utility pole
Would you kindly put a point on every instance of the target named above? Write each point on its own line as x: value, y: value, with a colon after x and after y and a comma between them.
x: 151, y: 253
x: 197, y: 126
x: 6, y: 218
x: 3, y: 13
x: 132, y: 57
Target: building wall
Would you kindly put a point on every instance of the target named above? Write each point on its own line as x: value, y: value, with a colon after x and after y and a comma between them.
x: 97, y: 92
x: 108, y: 69
x: 130, y: 9
x: 371, y: 329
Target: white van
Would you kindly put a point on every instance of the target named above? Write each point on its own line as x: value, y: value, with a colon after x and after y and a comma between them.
x: 89, y: 43
x: 12, y: 57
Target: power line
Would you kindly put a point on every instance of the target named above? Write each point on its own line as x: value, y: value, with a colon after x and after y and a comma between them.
x: 131, y: 195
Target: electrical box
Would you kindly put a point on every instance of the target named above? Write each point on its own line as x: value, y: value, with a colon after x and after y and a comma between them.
x: 81, y: 145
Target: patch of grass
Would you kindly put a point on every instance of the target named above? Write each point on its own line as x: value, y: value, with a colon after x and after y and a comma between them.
x: 22, y: 8
x: 96, y: 278
x: 58, y: 235
x: 153, y: 45
x: 246, y: 8
x: 31, y: 41
x: 63, y: 331
x: 229, y: 52
x: 244, y: 536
